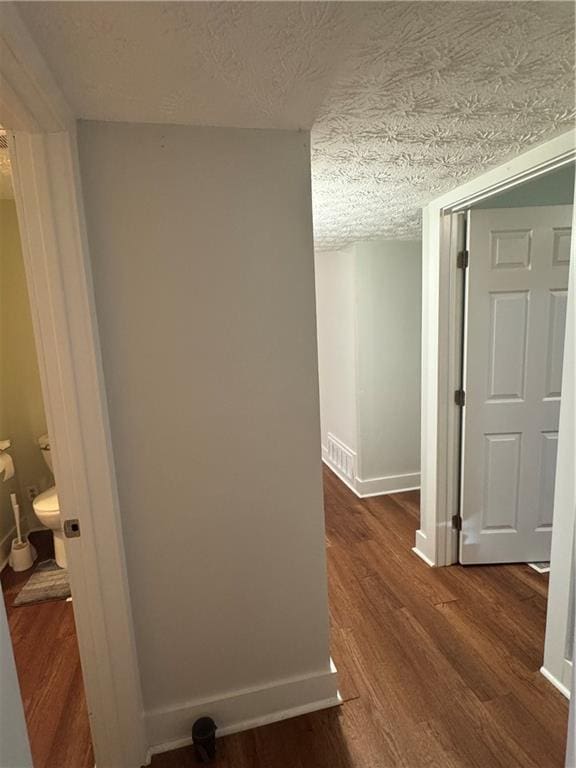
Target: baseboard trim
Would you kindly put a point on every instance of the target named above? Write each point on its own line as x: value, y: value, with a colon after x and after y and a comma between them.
x: 375, y: 486
x: 421, y: 546
x: 379, y: 486
x: 422, y: 556
x: 555, y: 682
x: 170, y: 728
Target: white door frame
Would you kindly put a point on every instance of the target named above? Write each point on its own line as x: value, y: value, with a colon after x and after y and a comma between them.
x: 441, y: 327
x: 44, y: 159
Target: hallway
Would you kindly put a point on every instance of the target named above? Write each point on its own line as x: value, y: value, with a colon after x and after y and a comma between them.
x: 438, y: 667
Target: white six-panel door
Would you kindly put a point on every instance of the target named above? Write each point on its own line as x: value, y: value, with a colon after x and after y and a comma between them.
x: 516, y: 310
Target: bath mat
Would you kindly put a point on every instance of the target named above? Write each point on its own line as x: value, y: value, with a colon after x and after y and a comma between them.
x: 48, y: 582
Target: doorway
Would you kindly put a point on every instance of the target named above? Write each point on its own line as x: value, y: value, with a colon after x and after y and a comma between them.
x: 510, y: 368
x: 515, y: 268
x: 34, y: 575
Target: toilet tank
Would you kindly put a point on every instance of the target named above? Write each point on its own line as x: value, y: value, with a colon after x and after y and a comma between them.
x: 44, y: 443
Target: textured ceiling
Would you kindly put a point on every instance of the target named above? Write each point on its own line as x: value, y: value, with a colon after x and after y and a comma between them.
x: 433, y: 94
x: 407, y: 99
x: 253, y: 65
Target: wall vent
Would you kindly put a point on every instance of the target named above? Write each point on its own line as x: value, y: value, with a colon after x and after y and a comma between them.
x: 341, y: 457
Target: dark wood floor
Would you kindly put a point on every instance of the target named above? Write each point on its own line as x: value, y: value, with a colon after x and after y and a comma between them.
x: 48, y: 665
x: 438, y: 667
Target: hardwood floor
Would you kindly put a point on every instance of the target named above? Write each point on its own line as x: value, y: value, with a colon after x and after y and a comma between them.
x: 438, y: 667
x: 48, y: 665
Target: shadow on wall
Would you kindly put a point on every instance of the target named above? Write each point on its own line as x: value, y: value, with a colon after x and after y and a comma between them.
x: 22, y: 418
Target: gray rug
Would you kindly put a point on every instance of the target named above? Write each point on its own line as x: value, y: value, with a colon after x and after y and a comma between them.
x: 48, y: 582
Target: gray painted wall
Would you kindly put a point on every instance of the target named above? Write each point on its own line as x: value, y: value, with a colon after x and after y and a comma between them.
x: 202, y: 258
x: 369, y: 300
x: 554, y: 188
x: 389, y: 291
x: 336, y: 320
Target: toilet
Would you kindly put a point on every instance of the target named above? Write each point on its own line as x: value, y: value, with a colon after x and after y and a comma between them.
x: 47, y: 508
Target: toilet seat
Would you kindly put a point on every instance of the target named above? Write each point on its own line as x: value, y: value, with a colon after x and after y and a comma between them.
x: 47, y: 509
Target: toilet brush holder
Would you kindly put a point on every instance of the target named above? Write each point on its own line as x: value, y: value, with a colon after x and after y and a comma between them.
x: 22, y: 555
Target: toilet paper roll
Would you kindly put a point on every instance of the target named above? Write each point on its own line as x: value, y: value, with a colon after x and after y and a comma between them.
x: 6, y: 466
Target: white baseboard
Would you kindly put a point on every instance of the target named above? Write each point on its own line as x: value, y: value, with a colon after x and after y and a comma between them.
x: 378, y: 486
x: 424, y: 557
x: 421, y: 547
x: 240, y: 710
x: 555, y: 682
x: 5, y: 546
x: 375, y: 486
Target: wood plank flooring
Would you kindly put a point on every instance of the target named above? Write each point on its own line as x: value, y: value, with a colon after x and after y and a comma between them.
x: 438, y: 667
x: 48, y: 665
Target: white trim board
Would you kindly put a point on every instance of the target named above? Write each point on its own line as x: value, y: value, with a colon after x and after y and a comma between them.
x: 554, y: 680
x: 375, y: 486
x: 237, y: 711
x: 42, y: 144
x: 378, y: 486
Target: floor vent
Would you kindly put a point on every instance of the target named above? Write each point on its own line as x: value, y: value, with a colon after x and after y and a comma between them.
x: 341, y: 457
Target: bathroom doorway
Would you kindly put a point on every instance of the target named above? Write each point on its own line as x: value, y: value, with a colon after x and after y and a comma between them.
x: 33, y: 565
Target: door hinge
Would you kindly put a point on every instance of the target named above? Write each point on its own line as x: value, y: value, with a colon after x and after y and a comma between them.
x: 460, y: 397
x: 462, y: 259
x: 457, y: 522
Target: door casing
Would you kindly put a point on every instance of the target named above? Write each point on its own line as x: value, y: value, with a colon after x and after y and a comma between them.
x: 436, y: 541
x: 42, y: 142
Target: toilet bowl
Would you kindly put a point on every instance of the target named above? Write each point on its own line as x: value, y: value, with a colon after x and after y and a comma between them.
x: 47, y: 508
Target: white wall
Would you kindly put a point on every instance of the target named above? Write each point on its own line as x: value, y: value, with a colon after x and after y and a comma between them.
x: 389, y: 280
x: 336, y: 320
x: 201, y: 249
x: 369, y: 330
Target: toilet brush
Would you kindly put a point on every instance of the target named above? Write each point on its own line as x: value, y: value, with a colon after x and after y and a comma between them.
x: 22, y: 553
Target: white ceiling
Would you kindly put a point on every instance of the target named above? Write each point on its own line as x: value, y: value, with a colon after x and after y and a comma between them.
x: 406, y: 99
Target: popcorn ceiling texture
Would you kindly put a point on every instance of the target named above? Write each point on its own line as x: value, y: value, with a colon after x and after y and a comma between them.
x: 433, y: 94
x: 406, y: 99
x: 248, y: 65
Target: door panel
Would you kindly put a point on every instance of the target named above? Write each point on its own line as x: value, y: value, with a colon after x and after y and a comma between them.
x: 501, y: 481
x: 516, y: 315
x: 508, y: 338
